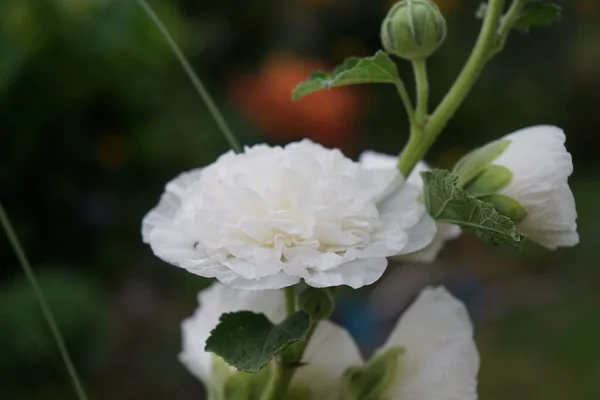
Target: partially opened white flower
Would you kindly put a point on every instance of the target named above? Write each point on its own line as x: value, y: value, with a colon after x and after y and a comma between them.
x: 540, y: 166
x: 330, y: 351
x: 445, y: 232
x: 440, y: 359
x: 271, y: 216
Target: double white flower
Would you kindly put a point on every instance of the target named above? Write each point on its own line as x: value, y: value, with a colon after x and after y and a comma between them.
x: 439, y: 359
x: 271, y: 216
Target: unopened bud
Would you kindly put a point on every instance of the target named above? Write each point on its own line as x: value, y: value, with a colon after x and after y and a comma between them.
x: 318, y: 303
x: 413, y: 29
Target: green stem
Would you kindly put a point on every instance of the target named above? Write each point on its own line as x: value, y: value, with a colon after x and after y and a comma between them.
x: 508, y: 21
x: 484, y: 48
x: 290, y: 300
x: 410, y: 111
x: 46, y: 311
x: 471, y: 71
x: 283, y: 379
x: 413, y: 152
x: 422, y: 85
x: 202, y: 92
x: 290, y: 360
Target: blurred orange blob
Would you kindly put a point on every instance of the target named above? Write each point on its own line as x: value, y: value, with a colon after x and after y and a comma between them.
x: 327, y: 116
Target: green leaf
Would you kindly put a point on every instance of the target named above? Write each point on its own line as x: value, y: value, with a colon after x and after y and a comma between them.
x: 377, y: 69
x: 248, y: 341
x: 446, y: 202
x: 538, y: 14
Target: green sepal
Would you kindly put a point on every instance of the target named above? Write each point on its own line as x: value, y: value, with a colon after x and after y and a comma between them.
x: 506, y: 206
x: 489, y: 181
x: 376, y: 69
x: 245, y: 386
x: 372, y: 381
x: 472, y: 164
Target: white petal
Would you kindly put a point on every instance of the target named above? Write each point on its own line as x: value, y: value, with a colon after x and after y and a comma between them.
x: 441, y: 360
x: 420, y: 247
x: 415, y: 176
x: 541, y: 167
x: 330, y: 351
x: 169, y: 203
x: 445, y: 232
x: 373, y: 160
x: 403, y: 211
x: 355, y: 274
x: 277, y: 281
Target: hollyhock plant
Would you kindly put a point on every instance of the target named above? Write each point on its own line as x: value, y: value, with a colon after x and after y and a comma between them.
x: 445, y: 231
x: 305, y: 219
x: 272, y: 216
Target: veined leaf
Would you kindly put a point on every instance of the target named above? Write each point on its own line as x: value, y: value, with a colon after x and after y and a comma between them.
x: 538, y: 14
x: 248, y: 341
x: 377, y: 69
x: 446, y: 202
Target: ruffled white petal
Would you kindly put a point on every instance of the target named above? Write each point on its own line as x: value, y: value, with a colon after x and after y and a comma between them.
x: 445, y: 232
x: 357, y: 273
x: 421, y: 248
x: 403, y: 211
x: 541, y: 166
x: 441, y: 360
x: 329, y: 353
x: 169, y: 203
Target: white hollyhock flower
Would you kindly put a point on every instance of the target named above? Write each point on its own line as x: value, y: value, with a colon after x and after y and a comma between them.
x: 271, y: 216
x: 330, y: 351
x: 445, y: 232
x: 541, y: 166
x: 441, y: 360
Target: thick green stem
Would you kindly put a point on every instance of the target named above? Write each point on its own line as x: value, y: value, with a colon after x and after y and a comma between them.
x: 472, y: 70
x: 291, y: 357
x: 413, y: 152
x: 418, y: 144
x: 422, y: 85
x: 283, y: 379
x: 46, y: 311
x: 196, y: 82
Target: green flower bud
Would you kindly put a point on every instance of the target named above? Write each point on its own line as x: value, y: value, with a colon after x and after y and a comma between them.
x: 318, y: 303
x: 413, y: 29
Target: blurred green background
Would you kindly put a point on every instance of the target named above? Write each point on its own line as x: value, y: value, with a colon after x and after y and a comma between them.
x: 96, y: 115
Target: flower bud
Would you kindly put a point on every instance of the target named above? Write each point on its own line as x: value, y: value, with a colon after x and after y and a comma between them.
x: 413, y: 29
x: 524, y: 176
x: 318, y: 303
